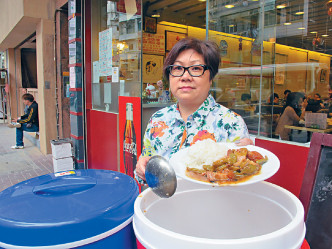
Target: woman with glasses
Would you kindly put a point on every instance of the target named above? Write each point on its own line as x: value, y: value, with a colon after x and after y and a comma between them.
x: 190, y: 68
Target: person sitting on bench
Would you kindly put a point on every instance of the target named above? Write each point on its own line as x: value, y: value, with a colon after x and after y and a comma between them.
x: 28, y: 122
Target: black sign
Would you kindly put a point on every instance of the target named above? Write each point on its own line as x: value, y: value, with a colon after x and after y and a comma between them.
x: 316, y: 192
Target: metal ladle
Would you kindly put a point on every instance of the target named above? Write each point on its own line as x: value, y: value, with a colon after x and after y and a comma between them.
x: 160, y: 176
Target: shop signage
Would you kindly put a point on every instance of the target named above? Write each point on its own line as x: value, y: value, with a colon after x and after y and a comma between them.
x: 153, y: 43
x: 105, y: 52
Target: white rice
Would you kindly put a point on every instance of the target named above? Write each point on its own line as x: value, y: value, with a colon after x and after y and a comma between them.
x: 204, y: 152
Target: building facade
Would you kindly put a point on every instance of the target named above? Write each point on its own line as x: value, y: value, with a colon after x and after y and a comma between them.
x: 33, y: 39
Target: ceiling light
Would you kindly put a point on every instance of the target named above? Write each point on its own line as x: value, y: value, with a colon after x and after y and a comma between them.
x: 301, y: 28
x: 299, y: 13
x: 281, y: 6
x: 313, y: 32
x: 326, y: 35
x: 156, y: 15
x: 231, y: 26
x: 229, y: 6
x: 202, y: 0
x: 287, y: 23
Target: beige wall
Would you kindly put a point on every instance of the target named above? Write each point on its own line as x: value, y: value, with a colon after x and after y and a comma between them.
x: 18, y: 19
x: 46, y: 73
x: 15, y: 81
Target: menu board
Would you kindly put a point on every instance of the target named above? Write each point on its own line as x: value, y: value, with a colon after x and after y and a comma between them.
x: 316, y: 192
x: 105, y: 52
x: 153, y: 43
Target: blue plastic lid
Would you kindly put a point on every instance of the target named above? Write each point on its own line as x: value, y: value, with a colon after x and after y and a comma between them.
x: 65, y: 207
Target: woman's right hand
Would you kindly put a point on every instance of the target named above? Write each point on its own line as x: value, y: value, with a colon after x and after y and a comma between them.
x: 141, y: 165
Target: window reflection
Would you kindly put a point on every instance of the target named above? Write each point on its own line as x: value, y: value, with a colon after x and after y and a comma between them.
x: 115, y: 35
x: 267, y: 49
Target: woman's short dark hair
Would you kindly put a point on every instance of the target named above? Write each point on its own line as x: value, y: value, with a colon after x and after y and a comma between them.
x: 245, y: 96
x: 208, y: 49
x: 293, y: 100
x: 273, y: 96
x: 287, y: 91
x: 318, y: 95
x: 28, y: 96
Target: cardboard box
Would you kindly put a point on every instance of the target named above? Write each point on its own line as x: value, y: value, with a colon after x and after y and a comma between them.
x: 61, y: 148
x: 63, y: 164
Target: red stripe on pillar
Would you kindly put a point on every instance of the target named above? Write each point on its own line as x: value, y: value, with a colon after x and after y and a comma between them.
x: 76, y: 113
x: 75, y: 40
x: 75, y: 89
x: 75, y: 65
x: 77, y: 138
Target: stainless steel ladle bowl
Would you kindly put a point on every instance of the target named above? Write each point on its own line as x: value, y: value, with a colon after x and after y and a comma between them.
x: 160, y: 176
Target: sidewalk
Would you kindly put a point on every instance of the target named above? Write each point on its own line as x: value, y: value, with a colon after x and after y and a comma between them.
x: 20, y: 165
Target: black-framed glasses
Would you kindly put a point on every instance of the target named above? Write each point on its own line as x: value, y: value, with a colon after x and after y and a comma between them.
x: 194, y: 70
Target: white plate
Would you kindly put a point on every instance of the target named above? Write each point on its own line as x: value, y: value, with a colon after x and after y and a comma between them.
x: 178, y: 162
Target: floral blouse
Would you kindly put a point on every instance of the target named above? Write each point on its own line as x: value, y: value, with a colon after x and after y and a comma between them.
x: 167, y: 133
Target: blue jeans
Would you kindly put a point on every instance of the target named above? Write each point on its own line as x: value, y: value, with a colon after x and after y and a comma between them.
x: 19, y: 132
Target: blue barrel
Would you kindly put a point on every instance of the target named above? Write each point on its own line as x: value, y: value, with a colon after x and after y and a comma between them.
x: 78, y: 208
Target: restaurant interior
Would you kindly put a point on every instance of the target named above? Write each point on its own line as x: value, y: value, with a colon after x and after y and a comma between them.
x: 266, y: 48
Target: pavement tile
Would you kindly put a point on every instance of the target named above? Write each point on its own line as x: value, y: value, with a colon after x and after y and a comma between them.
x: 19, y: 165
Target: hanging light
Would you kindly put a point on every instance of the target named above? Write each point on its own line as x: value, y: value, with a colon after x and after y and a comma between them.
x: 281, y: 6
x: 329, y: 7
x: 229, y: 6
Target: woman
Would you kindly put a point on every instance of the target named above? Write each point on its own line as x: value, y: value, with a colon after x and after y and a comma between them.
x: 293, y: 112
x: 190, y: 68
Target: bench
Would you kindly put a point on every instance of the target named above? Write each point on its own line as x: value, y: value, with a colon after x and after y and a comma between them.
x: 33, y: 137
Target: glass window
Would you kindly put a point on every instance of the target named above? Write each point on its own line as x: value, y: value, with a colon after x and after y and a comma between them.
x: 116, y: 52
x: 268, y: 48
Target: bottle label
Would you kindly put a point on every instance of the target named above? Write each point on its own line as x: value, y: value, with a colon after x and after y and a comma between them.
x: 130, y: 147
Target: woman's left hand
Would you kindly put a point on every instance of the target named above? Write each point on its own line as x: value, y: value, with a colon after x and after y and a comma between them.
x: 244, y: 141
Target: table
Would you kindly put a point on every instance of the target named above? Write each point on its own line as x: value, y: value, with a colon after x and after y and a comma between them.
x: 302, y: 128
x: 309, y: 130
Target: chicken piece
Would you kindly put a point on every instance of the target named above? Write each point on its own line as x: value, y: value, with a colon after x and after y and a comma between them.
x: 254, y: 156
x: 196, y: 174
x: 224, y: 175
x: 241, y: 154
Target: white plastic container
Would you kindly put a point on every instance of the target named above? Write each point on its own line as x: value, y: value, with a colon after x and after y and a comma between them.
x: 63, y: 164
x: 257, y: 216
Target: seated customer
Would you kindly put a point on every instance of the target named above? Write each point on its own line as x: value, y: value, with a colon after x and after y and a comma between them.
x: 273, y: 99
x: 283, y: 101
x: 29, y: 121
x: 315, y: 104
x: 246, y: 103
x: 292, y: 114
